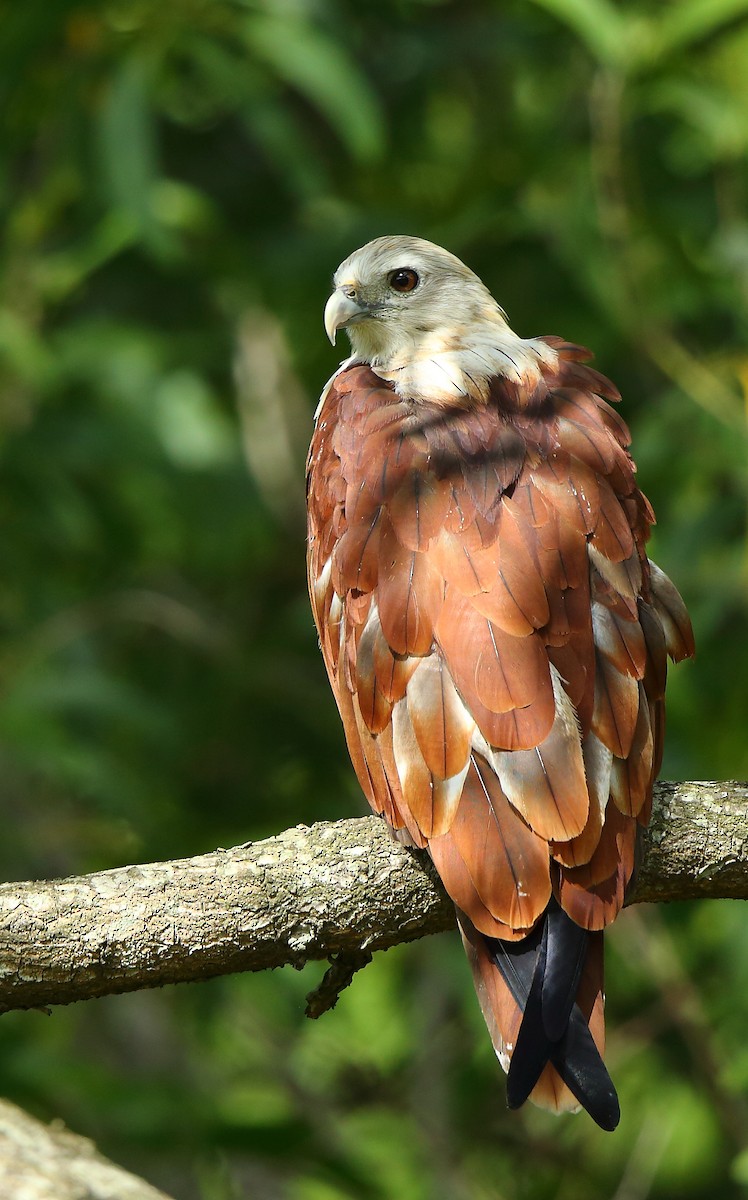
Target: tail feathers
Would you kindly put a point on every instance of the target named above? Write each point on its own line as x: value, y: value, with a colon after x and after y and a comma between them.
x: 579, y: 1064
x: 565, y: 954
x: 544, y: 1011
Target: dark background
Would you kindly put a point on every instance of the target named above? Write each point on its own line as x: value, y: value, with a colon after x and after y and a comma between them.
x: 178, y: 181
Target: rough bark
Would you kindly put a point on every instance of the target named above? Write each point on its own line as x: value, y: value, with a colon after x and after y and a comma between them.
x: 48, y: 1162
x: 696, y: 846
x: 310, y: 893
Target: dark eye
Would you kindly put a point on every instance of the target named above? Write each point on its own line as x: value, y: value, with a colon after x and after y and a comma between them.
x: 403, y: 281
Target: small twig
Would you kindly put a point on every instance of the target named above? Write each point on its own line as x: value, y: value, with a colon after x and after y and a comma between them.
x: 335, y: 980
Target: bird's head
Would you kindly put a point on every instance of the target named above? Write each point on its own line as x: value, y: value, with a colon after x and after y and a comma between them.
x: 425, y: 323
x: 397, y: 293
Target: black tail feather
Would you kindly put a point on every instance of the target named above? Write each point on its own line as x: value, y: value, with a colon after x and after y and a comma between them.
x: 543, y: 972
x: 567, y: 951
x: 532, y: 1047
x: 579, y: 1064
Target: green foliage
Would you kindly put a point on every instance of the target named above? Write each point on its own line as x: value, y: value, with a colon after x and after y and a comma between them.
x: 178, y: 180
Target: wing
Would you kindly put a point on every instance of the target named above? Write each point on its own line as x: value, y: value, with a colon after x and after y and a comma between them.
x: 496, y: 637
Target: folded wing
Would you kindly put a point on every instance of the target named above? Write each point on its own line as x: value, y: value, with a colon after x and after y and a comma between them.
x: 496, y: 639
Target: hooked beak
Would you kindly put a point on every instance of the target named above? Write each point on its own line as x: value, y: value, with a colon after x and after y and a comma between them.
x: 340, y: 311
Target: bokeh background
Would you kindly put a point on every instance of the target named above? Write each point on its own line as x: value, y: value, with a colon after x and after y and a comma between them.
x: 178, y: 179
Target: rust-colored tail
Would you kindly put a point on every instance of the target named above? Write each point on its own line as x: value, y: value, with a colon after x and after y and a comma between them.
x: 542, y: 999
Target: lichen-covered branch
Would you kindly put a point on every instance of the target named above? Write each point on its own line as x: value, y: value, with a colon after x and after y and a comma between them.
x: 310, y: 893
x: 48, y: 1162
x: 696, y: 846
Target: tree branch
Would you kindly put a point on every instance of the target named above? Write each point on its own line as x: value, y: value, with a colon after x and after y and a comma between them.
x: 309, y: 893
x: 48, y: 1162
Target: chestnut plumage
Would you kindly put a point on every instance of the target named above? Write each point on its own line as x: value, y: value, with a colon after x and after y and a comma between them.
x: 495, y: 636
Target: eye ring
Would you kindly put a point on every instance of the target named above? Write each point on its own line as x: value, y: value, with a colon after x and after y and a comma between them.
x: 403, y: 280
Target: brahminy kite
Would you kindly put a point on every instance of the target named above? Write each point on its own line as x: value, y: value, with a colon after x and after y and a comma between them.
x: 495, y: 636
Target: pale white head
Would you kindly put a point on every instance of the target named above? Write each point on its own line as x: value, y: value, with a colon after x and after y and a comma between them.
x: 424, y: 321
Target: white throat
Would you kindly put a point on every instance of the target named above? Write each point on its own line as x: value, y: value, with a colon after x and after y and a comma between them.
x: 456, y: 365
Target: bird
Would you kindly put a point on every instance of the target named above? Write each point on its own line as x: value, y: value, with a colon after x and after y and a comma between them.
x: 495, y: 637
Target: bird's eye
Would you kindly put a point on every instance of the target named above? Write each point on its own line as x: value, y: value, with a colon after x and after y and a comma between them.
x: 403, y: 281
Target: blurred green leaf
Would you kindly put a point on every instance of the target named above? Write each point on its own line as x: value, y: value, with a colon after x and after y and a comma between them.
x: 127, y: 143
x: 689, y: 22
x: 193, y: 430
x: 23, y: 350
x: 62, y: 272
x: 604, y: 29
x: 322, y: 72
